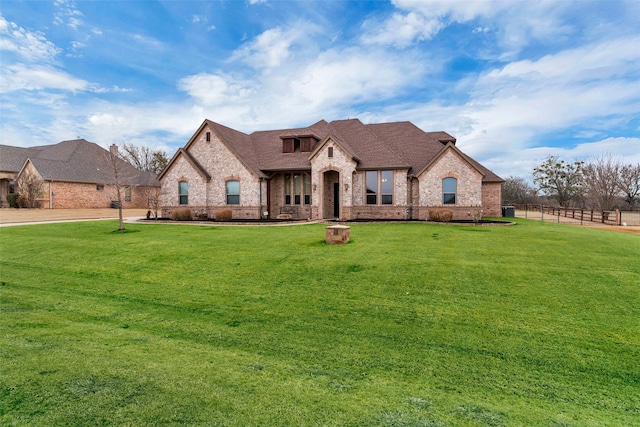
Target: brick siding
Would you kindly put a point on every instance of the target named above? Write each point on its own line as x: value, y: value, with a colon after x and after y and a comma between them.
x: 73, y: 195
x: 412, y: 198
x: 205, y: 197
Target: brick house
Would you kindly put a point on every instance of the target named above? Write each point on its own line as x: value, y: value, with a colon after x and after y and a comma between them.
x: 77, y: 174
x: 343, y: 169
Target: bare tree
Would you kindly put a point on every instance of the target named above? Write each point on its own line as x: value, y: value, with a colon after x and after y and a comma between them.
x: 602, y: 182
x: 559, y: 180
x: 516, y: 190
x: 144, y: 158
x: 629, y: 183
x: 153, y: 197
x: 30, y: 188
x: 122, y: 178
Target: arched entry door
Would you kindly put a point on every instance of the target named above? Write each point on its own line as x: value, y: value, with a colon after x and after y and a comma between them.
x: 331, y: 194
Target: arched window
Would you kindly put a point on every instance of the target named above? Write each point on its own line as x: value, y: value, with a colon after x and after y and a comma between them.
x: 183, y: 192
x: 233, y: 192
x: 449, y: 187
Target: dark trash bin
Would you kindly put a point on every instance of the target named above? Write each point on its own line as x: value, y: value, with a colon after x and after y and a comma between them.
x: 508, y: 211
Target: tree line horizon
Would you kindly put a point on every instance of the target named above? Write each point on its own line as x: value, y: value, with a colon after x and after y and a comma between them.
x: 604, y: 183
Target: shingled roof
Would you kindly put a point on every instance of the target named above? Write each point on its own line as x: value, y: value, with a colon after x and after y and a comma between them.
x: 398, y: 145
x: 75, y: 160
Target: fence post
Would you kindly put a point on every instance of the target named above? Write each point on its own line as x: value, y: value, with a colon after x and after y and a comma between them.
x: 541, y: 212
x: 618, y: 220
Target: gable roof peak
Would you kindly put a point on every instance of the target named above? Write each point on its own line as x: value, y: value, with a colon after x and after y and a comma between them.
x: 354, y: 120
x: 219, y: 126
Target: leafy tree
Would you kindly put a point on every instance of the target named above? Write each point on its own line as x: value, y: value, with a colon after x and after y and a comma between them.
x: 559, y: 180
x: 144, y: 158
x: 516, y: 190
x: 602, y: 182
x: 30, y: 188
x: 629, y: 183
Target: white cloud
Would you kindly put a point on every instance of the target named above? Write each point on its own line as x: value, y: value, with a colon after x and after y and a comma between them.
x: 458, y: 11
x: 202, y: 19
x: 67, y: 14
x: 627, y: 149
x: 45, y: 78
x: 511, y: 111
x: 340, y: 77
x: 422, y: 20
x: 30, y: 46
x: 159, y: 124
x: 114, y: 89
x: 21, y: 77
x: 573, y: 87
x: 215, y: 89
x: 306, y: 90
x: 269, y: 49
x: 521, y: 162
x: 401, y: 30
x: 607, y: 59
x: 519, y: 22
x: 147, y: 42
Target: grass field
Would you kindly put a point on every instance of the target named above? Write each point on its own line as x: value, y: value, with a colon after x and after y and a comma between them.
x: 536, y: 324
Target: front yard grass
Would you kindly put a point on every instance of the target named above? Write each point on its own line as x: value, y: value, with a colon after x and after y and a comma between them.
x: 407, y: 325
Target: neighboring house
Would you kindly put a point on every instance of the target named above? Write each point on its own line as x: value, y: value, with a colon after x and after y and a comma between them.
x: 76, y: 174
x: 343, y: 169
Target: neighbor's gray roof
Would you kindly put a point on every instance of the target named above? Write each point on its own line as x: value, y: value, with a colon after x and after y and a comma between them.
x: 76, y: 160
x: 398, y: 145
x: 12, y: 158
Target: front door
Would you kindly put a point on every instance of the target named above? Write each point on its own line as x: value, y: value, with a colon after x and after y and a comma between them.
x: 336, y: 200
x: 330, y: 194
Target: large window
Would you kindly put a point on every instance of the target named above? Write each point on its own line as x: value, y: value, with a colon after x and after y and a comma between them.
x: 379, y: 183
x: 386, y: 187
x: 297, y: 189
x: 372, y: 187
x: 306, y: 180
x: 449, y: 187
x: 233, y: 192
x: 183, y: 192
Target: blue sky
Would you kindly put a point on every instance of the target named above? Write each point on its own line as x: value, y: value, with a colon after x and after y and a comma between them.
x: 513, y: 81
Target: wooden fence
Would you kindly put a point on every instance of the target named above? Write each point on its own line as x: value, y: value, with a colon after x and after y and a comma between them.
x: 578, y: 216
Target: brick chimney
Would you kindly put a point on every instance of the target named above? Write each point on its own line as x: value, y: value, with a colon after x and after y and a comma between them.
x: 114, y: 150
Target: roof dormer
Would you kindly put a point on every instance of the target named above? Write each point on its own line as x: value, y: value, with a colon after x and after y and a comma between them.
x: 298, y: 143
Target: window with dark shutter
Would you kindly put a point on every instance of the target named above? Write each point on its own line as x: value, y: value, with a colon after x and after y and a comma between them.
x: 306, y: 144
x: 288, y: 145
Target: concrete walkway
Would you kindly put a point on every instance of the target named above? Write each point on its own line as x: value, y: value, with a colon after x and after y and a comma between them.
x: 9, y: 216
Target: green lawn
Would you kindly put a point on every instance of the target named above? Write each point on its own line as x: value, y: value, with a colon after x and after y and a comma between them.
x: 407, y: 325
